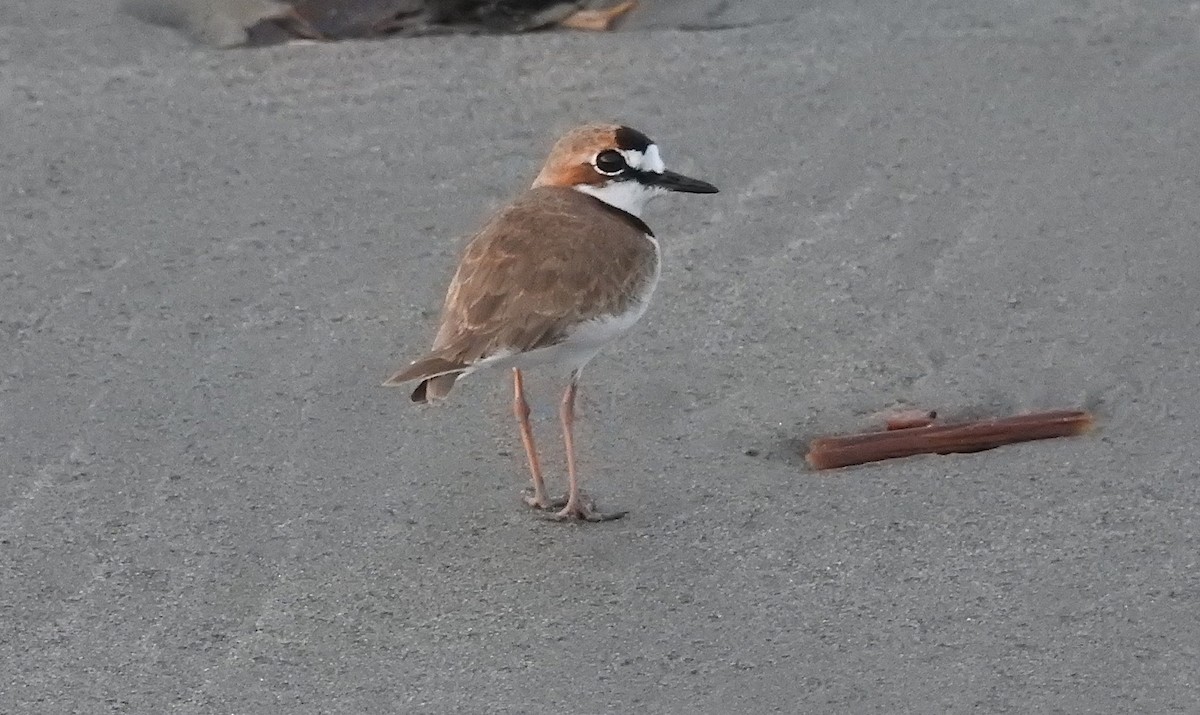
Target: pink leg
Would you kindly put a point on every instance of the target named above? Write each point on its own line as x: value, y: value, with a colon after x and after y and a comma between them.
x: 538, y: 498
x: 576, y: 508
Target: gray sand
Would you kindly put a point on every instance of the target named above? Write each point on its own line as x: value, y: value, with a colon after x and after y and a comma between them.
x: 211, y: 259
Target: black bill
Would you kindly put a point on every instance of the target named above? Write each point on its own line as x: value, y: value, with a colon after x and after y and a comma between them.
x: 672, y: 181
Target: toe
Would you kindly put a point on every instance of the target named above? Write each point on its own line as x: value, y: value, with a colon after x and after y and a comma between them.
x: 581, y: 512
x: 543, y: 502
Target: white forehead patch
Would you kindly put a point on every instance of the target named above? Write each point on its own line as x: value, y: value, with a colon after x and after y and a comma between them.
x: 644, y: 161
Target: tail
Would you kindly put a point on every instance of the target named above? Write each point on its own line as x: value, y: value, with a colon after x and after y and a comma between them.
x: 437, y: 376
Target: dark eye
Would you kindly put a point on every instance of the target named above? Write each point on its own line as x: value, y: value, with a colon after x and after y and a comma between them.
x: 610, y: 161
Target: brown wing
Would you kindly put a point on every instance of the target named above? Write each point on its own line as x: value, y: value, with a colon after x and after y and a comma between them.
x: 551, y: 259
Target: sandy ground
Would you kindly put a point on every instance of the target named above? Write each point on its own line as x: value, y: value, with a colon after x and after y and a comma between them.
x: 209, y: 260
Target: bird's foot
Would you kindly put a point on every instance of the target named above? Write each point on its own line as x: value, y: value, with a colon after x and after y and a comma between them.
x: 583, y: 510
x: 598, y: 20
x: 541, y: 501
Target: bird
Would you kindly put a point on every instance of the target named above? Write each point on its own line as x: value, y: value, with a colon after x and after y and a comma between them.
x: 550, y: 279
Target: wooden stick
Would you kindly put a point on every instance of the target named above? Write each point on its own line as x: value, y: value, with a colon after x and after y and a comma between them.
x: 598, y: 20
x: 847, y: 450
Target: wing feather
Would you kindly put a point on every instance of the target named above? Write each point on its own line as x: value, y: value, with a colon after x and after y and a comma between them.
x: 549, y: 260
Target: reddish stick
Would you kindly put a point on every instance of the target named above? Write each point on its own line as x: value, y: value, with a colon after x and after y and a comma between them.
x: 847, y: 450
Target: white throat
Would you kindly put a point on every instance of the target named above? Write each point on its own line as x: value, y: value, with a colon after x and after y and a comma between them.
x: 629, y: 196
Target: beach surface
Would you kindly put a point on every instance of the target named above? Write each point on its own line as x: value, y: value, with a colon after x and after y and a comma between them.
x: 210, y: 259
